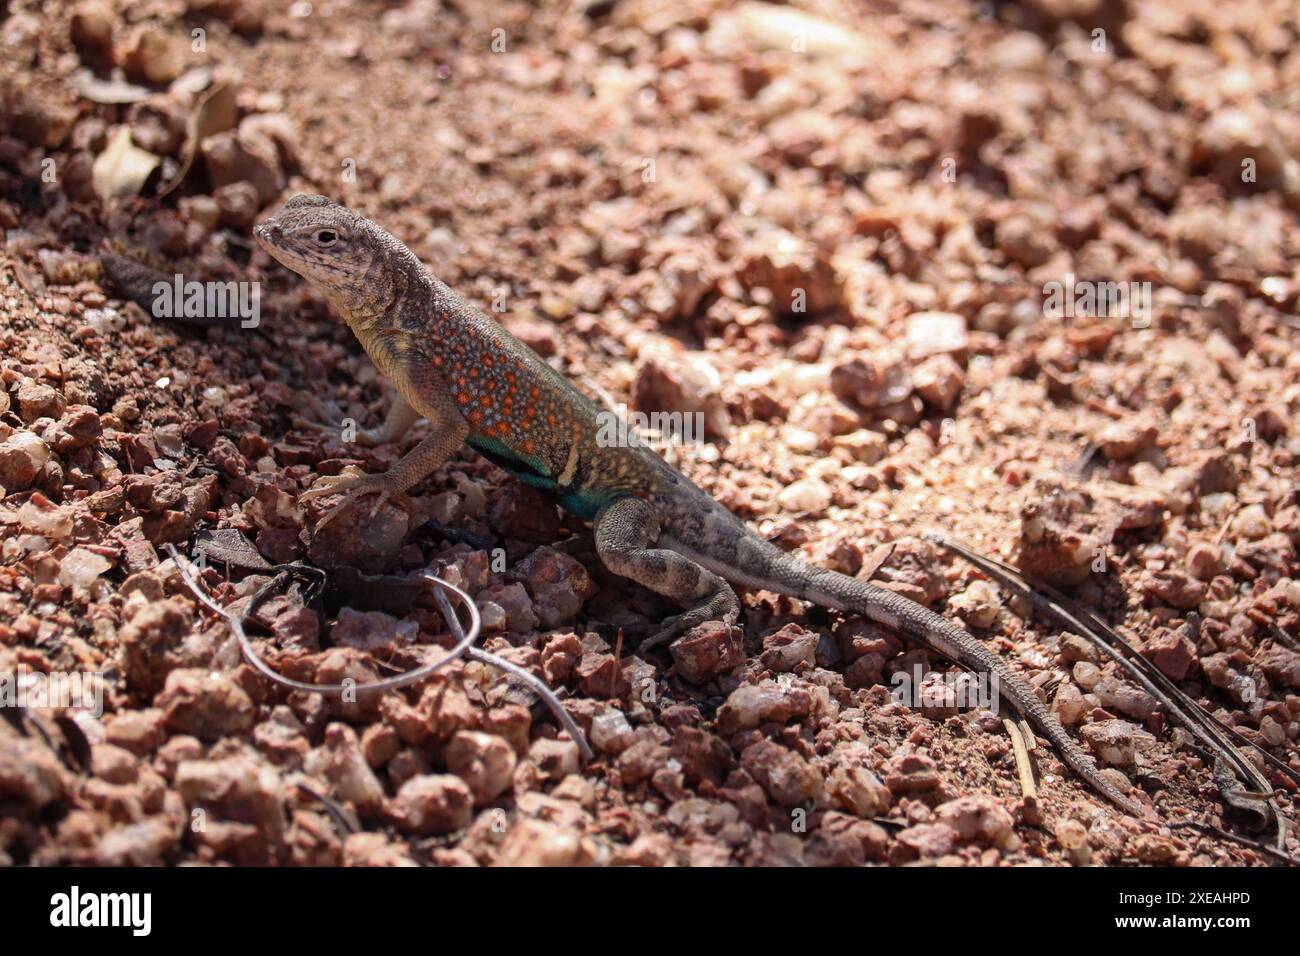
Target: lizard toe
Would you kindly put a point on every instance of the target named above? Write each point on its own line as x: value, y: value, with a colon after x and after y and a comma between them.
x: 351, y: 487
x: 672, y: 628
x: 343, y: 484
x: 329, y: 516
x: 379, y: 501
x: 349, y: 497
x: 723, y: 606
x: 318, y: 491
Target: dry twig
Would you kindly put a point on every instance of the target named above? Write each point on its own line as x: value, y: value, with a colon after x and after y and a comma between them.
x: 1024, y: 770
x: 463, y: 648
x: 1215, y: 735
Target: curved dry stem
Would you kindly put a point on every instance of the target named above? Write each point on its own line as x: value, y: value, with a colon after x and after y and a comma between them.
x: 465, y: 639
x: 464, y: 648
x: 534, y: 683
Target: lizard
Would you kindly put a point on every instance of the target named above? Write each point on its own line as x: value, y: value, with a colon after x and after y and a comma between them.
x: 477, y: 385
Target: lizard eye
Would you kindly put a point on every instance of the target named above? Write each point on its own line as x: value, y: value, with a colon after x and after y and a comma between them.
x: 326, y: 237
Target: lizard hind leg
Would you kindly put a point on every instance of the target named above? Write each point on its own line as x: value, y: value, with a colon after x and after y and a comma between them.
x: 401, y: 416
x: 626, y: 531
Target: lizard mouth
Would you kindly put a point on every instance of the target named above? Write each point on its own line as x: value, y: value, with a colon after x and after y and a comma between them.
x: 266, y: 233
x: 271, y: 238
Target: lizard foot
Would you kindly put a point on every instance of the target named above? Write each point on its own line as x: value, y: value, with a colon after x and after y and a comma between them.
x: 325, y: 424
x: 672, y: 627
x: 351, y: 487
x: 680, y: 623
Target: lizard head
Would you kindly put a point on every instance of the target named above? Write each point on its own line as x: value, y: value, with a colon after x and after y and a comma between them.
x: 345, y: 256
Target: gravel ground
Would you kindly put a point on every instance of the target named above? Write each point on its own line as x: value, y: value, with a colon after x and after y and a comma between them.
x: 860, y: 240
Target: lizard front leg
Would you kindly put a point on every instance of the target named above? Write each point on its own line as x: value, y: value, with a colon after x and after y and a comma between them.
x: 625, y: 530
x: 448, y: 432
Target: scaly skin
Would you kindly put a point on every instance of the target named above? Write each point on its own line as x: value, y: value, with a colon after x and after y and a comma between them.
x: 478, y: 385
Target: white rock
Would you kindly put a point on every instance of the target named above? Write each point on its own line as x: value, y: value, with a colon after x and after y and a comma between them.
x: 81, y: 568
x: 808, y: 494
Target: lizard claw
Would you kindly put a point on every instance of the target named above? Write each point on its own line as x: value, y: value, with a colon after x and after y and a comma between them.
x: 680, y: 623
x: 672, y: 627
x: 351, y: 487
x: 329, y: 485
x: 660, y: 637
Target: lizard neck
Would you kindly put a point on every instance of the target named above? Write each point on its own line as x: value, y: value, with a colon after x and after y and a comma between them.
x: 378, y: 299
x: 366, y: 313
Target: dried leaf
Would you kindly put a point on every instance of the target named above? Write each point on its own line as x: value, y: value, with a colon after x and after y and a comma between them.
x: 76, y: 738
x: 192, y: 82
x: 230, y: 546
x: 122, y: 169
x: 215, y: 113
x: 879, y: 555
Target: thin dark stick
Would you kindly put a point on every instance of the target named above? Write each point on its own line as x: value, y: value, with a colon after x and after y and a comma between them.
x: 1204, y: 725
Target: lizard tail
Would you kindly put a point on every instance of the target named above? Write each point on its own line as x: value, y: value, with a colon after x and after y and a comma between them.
x: 923, y: 626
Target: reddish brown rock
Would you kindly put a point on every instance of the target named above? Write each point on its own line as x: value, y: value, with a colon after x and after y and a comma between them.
x: 1117, y: 695
x: 1175, y: 588
x: 1127, y: 437
x: 241, y: 814
x: 1112, y: 741
x: 485, y: 762
x: 750, y: 705
x: 1280, y: 664
x: 798, y: 276
x: 842, y: 840
x: 785, y: 777
x: 375, y: 849
x: 789, y: 649
x: 560, y: 656
x: 857, y: 790
x: 1231, y: 674
x: 598, y: 675
x: 139, y: 731
x: 706, y: 651
x: 641, y: 761
x: 78, y: 428
x: 939, y: 381
x: 926, y: 840
x: 701, y: 755
x: 23, y: 457
x: 1172, y: 652
x: 977, y: 818
x: 560, y: 586
x: 38, y: 400
x: 912, y: 773
x: 340, y: 760
x: 538, y: 843
x: 522, y: 512
x: 30, y: 773
x: 432, y: 804
x: 204, y: 704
